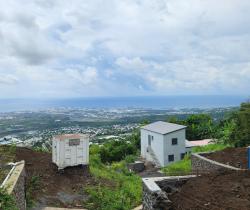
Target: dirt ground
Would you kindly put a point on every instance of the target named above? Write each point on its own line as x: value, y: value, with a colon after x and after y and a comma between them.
x: 150, y: 171
x: 224, y: 191
x: 48, y: 186
x: 236, y: 157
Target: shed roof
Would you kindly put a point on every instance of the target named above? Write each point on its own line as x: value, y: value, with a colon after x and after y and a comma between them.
x: 70, y: 136
x: 196, y: 143
x: 163, y: 127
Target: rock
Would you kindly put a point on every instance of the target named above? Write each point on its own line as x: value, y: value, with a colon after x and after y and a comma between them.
x: 137, y: 166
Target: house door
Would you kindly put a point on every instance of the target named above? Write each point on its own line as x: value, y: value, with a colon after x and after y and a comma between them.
x: 73, y: 155
x: 149, y: 140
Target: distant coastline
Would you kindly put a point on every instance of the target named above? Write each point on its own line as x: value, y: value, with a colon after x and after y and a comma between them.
x: 151, y: 102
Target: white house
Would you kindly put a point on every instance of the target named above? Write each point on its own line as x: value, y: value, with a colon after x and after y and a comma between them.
x: 163, y: 143
x: 70, y: 150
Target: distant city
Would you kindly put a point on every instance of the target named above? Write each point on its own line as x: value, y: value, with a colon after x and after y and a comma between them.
x: 36, y: 128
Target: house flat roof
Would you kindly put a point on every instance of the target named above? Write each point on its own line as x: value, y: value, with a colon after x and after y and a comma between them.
x: 163, y: 127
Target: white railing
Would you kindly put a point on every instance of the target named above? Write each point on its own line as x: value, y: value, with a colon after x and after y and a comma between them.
x: 10, y: 173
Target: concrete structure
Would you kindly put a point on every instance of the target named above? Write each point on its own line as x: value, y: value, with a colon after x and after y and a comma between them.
x: 14, y: 184
x: 137, y: 166
x: 156, y: 191
x: 163, y: 143
x: 203, y: 165
x: 70, y: 150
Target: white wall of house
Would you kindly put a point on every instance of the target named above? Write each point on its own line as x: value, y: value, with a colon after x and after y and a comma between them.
x: 157, y: 145
x: 176, y: 150
x: 162, y: 145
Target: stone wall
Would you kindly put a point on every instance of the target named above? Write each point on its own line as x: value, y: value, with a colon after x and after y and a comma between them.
x: 15, y: 185
x: 202, y: 165
x: 157, y: 189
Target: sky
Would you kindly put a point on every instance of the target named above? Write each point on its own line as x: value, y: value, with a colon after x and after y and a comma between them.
x: 85, y: 48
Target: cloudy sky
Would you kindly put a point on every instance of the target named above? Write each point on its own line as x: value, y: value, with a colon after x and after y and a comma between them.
x: 77, y: 48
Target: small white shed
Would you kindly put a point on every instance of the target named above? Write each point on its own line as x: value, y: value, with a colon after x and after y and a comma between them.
x: 163, y: 143
x: 70, y: 150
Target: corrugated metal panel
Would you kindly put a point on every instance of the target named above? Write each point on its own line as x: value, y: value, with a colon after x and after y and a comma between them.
x: 70, y: 151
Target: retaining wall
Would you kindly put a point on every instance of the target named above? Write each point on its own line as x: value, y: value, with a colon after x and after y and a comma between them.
x: 157, y: 189
x: 15, y: 185
x: 201, y: 164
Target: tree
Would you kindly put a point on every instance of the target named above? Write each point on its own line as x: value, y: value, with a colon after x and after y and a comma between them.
x: 240, y: 135
x: 199, y: 126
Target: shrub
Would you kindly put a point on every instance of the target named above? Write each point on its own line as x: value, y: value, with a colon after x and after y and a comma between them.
x: 180, y: 168
x: 7, y: 202
x: 209, y: 148
x: 118, y: 189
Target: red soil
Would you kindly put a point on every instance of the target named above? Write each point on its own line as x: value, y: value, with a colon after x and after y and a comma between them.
x: 236, y: 157
x: 224, y: 191
x: 53, y: 188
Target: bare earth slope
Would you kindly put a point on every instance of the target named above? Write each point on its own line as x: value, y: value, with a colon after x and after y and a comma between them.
x: 224, y: 191
x: 236, y: 157
x: 47, y: 187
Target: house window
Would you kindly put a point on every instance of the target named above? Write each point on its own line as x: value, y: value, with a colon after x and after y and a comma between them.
x: 182, y: 155
x: 174, y: 141
x: 170, y: 158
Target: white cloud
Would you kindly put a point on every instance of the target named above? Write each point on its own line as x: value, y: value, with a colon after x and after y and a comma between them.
x: 78, y: 48
x: 8, y: 79
x: 86, y: 77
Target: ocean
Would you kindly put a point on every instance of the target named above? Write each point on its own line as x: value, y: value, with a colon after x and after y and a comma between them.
x: 151, y: 102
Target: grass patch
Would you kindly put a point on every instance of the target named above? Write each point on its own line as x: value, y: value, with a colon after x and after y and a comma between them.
x: 117, y: 189
x: 179, y: 168
x: 183, y: 167
x: 32, y: 186
x: 7, y: 202
x: 210, y: 148
x: 7, y: 154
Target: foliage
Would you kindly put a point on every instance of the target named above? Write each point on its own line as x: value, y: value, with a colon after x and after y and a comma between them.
x: 240, y: 135
x: 7, y: 202
x: 199, y: 126
x: 117, y: 150
x: 40, y: 149
x: 7, y: 154
x: 32, y: 186
x: 182, y: 167
x: 117, y: 189
x: 210, y: 148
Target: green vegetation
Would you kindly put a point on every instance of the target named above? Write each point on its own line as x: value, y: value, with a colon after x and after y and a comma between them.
x: 183, y: 167
x: 7, y: 154
x: 233, y: 129
x: 32, y: 186
x: 210, y: 148
x: 118, y: 150
x: 179, y: 168
x: 240, y: 128
x: 117, y: 189
x: 7, y: 202
x: 199, y: 126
